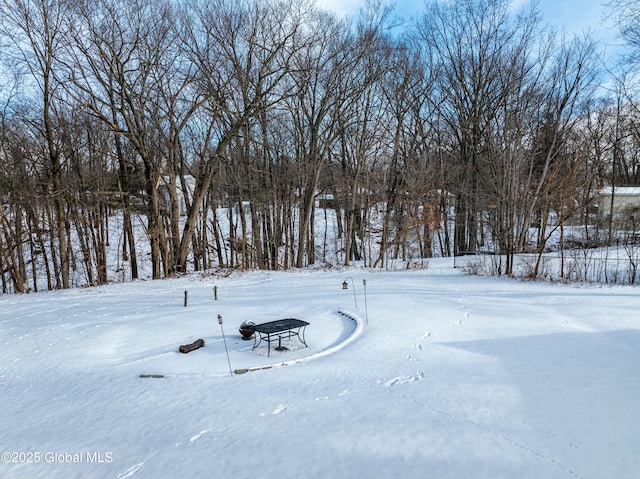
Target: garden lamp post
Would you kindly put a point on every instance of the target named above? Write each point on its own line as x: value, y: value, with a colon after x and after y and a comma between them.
x: 345, y: 285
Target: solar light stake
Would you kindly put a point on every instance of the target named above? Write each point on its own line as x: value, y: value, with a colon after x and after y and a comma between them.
x: 366, y: 310
x: 225, y: 343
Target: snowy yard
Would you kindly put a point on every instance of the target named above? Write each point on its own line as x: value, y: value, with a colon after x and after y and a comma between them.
x: 453, y: 377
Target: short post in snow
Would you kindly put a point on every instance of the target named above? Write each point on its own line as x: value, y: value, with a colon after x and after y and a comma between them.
x: 225, y: 343
x: 215, y: 293
x: 186, y: 295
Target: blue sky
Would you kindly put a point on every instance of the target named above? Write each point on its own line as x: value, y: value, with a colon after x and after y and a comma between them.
x: 575, y: 16
x: 569, y: 15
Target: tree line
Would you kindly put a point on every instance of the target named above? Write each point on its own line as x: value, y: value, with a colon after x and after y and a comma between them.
x: 458, y: 129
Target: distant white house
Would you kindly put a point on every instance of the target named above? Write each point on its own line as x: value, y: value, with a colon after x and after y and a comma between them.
x: 622, y: 202
x: 326, y: 201
x: 165, y: 196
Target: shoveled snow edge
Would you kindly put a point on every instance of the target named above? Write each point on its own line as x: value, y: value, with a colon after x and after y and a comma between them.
x: 359, y: 328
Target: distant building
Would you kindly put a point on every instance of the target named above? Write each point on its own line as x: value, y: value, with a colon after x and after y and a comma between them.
x: 621, y: 204
x: 326, y: 201
x: 165, y: 196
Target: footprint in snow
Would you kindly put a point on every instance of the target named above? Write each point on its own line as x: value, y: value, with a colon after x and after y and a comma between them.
x: 195, y: 437
x: 132, y: 471
x: 404, y: 379
x: 418, y: 347
x: 277, y: 410
x: 427, y: 335
x: 325, y: 398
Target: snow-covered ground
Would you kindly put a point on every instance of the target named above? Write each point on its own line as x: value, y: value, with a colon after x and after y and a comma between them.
x: 441, y: 375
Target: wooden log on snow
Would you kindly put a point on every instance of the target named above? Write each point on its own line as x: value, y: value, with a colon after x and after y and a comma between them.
x: 187, y: 348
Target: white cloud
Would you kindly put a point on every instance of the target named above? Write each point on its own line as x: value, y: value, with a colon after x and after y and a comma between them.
x: 341, y: 7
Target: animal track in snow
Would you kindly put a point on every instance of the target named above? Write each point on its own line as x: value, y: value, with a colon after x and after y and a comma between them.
x: 195, y: 437
x: 132, y: 471
x: 324, y: 398
x: 404, y: 379
x: 277, y: 410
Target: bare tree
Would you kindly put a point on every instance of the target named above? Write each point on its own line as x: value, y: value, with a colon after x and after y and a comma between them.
x: 113, y: 68
x: 242, y: 53
x: 469, y: 39
x: 626, y: 14
x: 509, y: 103
x: 362, y: 124
x: 37, y: 30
